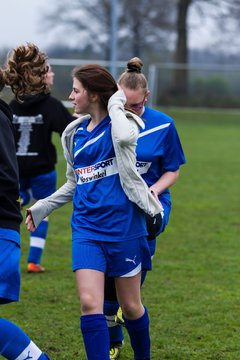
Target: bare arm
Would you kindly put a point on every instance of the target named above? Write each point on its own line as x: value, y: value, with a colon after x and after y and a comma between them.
x: 165, y: 181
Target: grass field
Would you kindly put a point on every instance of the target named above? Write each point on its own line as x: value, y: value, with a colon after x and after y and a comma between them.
x: 193, y: 292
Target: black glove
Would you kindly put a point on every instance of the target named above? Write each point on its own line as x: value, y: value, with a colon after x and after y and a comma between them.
x: 153, y: 225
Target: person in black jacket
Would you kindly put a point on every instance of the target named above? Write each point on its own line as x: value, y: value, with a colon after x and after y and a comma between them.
x: 35, y: 119
x: 14, y: 343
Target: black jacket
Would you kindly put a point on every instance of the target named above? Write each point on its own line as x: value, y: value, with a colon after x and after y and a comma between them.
x: 35, y: 120
x: 10, y: 215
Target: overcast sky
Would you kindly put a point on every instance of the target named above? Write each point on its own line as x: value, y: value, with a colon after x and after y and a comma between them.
x: 20, y: 22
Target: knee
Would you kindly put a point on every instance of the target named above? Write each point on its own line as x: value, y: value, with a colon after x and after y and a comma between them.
x: 89, y: 305
x: 132, y: 310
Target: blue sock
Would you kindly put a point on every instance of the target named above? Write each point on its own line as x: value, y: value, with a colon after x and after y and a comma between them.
x: 115, y: 331
x: 25, y: 197
x: 95, y: 335
x: 138, y: 331
x: 37, y: 242
x: 14, y: 343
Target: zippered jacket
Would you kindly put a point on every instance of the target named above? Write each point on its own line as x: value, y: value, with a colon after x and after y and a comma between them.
x: 125, y: 131
x: 10, y: 215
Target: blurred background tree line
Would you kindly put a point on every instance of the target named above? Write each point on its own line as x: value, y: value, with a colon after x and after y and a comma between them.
x: 158, y: 32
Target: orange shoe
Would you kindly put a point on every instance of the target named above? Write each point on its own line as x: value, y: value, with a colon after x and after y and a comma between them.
x: 35, y: 268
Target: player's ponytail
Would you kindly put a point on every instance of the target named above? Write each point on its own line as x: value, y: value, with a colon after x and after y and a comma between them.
x: 132, y: 77
x: 134, y: 65
x: 25, y: 71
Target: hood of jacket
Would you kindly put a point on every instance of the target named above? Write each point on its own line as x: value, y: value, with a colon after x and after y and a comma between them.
x: 30, y: 100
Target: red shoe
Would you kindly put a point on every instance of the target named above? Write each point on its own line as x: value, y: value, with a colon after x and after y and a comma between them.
x: 35, y: 268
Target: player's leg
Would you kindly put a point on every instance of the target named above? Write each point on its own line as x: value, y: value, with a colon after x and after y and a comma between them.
x: 42, y: 186
x: 89, y: 265
x: 25, y: 192
x: 15, y: 344
x: 135, y: 315
x: 125, y: 263
x: 94, y: 329
x: 111, y: 307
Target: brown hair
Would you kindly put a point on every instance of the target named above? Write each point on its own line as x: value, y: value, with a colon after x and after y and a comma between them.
x: 96, y: 80
x: 25, y: 71
x: 2, y: 80
x: 133, y: 78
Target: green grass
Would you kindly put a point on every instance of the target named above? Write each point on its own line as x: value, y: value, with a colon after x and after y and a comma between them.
x: 193, y: 292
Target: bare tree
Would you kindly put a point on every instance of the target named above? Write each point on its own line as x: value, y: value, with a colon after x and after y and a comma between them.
x: 181, y: 54
x: 83, y: 23
x: 149, y: 25
x: 142, y: 24
x: 228, y: 22
x: 221, y: 10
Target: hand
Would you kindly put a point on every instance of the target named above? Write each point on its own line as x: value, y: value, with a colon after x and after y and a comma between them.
x: 117, y: 99
x: 119, y: 87
x: 29, y: 221
x: 154, y: 194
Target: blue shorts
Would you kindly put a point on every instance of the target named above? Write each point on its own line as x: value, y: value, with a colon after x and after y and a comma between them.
x: 165, y: 219
x: 116, y: 259
x: 9, y: 271
x: 37, y: 187
x: 167, y: 210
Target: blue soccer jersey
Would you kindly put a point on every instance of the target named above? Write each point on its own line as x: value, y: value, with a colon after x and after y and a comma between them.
x: 159, y: 148
x: 101, y: 209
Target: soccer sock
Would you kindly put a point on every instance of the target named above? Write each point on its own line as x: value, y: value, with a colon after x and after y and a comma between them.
x: 115, y: 330
x: 37, y: 242
x: 95, y: 336
x: 138, y: 331
x: 15, y: 344
x: 26, y: 197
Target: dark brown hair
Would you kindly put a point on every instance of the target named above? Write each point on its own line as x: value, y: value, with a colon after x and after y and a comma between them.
x: 25, y: 71
x: 2, y: 80
x: 96, y: 80
x: 133, y: 78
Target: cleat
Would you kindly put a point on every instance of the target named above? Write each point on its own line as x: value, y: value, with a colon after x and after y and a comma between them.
x: 119, y: 317
x: 115, y: 349
x: 35, y: 268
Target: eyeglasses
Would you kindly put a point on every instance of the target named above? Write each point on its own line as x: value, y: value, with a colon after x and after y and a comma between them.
x: 137, y: 106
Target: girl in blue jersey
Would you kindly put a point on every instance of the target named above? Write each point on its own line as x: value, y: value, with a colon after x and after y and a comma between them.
x: 108, y: 229
x: 14, y: 343
x: 159, y: 156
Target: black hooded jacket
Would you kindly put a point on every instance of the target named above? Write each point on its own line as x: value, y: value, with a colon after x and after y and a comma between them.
x: 35, y: 120
x: 10, y: 215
